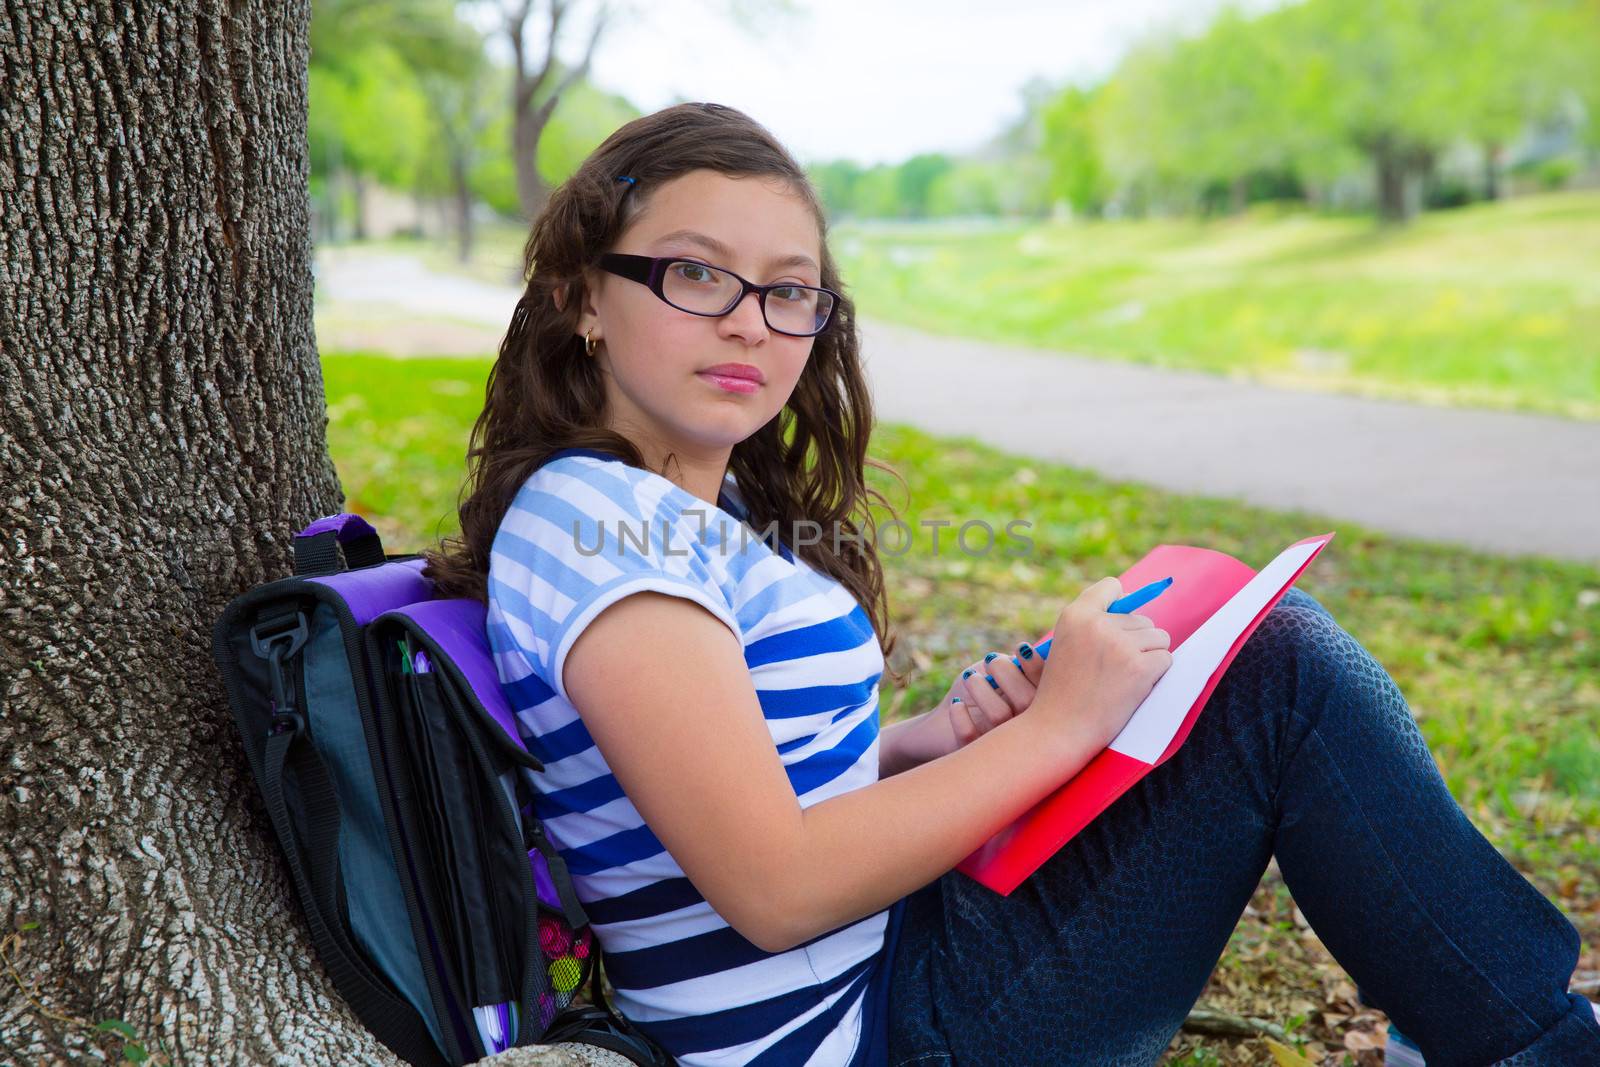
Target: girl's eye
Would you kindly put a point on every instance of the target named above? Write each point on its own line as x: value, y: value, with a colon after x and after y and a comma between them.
x: 791, y: 292
x: 694, y: 272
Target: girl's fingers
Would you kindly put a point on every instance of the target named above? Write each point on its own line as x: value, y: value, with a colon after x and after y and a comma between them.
x: 991, y: 704
x: 966, y: 730
x: 976, y: 714
x: 1010, y: 680
x: 1154, y: 638
x: 1027, y: 660
x: 1135, y: 621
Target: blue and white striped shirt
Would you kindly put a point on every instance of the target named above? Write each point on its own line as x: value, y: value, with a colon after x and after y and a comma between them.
x: 585, y: 530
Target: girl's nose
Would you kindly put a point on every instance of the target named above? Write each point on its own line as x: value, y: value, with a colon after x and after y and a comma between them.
x: 746, y: 318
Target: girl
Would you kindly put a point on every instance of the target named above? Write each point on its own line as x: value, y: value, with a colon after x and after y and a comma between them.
x: 669, y: 522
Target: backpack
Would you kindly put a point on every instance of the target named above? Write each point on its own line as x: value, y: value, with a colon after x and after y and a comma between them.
x: 400, y: 791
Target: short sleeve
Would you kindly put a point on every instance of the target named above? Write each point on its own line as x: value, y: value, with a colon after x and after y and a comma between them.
x: 579, y: 536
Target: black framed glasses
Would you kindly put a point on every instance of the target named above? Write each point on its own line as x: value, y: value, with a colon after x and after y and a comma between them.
x: 701, y: 289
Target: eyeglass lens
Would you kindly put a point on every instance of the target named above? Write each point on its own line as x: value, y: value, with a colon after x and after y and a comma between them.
x: 708, y: 291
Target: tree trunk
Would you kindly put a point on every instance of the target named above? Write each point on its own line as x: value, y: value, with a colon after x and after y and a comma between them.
x: 358, y: 193
x: 162, y: 413
x: 162, y: 433
x: 1390, y: 164
x: 1492, y: 155
x: 527, y: 126
x: 461, y: 180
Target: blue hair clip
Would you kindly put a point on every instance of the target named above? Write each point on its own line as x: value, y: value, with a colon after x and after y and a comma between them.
x: 631, y: 181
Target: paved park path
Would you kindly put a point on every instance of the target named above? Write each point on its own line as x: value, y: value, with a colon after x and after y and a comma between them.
x: 1507, y: 483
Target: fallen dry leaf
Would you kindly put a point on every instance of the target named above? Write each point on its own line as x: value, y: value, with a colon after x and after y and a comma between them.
x: 1361, y: 1040
x: 1284, y: 1056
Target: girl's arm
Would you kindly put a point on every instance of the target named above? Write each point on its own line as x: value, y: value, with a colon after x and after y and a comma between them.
x: 682, y: 729
x: 911, y: 742
x: 945, y: 727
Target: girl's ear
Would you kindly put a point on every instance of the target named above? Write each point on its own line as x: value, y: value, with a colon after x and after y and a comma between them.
x: 588, y: 318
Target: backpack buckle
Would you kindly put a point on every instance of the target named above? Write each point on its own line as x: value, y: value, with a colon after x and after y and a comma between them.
x: 288, y: 722
x: 280, y: 629
x: 274, y: 640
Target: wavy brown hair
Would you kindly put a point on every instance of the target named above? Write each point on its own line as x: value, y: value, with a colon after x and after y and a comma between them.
x: 544, y: 394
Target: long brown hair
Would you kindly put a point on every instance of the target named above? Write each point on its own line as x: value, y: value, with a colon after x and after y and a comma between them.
x: 545, y: 394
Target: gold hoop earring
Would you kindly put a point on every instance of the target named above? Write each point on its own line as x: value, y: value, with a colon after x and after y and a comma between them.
x: 589, y: 343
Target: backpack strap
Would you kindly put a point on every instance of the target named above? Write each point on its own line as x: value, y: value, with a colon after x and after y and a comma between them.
x: 560, y: 877
x: 316, y: 880
x: 316, y: 548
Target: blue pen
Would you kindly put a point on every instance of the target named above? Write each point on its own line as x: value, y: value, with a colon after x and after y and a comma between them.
x: 1138, y: 598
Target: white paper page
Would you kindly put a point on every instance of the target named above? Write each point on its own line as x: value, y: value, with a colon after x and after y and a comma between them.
x: 1148, y: 733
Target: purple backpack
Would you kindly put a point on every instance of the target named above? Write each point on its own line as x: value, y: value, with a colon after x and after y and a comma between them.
x: 400, y: 791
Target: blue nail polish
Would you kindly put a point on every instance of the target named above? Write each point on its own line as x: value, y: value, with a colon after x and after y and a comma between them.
x: 992, y: 683
x: 1015, y: 664
x: 955, y: 700
x: 968, y: 673
x: 1027, y: 650
x: 990, y: 656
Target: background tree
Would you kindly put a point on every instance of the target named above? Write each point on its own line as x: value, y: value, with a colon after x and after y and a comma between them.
x: 462, y: 110
x: 836, y: 184
x: 535, y: 69
x: 587, y: 116
x: 372, y: 118
x: 368, y: 114
x: 533, y: 30
x: 1068, y: 143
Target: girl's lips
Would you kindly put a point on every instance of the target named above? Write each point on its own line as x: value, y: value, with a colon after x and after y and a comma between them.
x: 730, y: 383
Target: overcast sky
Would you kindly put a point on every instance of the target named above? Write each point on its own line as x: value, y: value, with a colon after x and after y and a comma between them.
x: 873, y: 80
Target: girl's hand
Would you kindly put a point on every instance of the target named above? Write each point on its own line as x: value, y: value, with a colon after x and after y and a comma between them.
x: 973, y: 706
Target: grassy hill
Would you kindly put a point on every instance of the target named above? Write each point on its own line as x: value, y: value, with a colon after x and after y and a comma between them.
x: 1494, y: 305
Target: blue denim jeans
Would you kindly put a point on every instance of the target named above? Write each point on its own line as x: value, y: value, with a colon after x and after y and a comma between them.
x: 1306, y: 751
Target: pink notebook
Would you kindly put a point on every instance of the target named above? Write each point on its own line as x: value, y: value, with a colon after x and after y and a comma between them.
x: 1213, y: 605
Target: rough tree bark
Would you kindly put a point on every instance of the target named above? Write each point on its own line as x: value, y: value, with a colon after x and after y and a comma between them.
x: 161, y: 432
x: 162, y: 412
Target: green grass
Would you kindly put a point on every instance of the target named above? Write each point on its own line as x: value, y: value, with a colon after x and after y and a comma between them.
x: 1498, y: 658
x: 1495, y: 305
x: 398, y: 432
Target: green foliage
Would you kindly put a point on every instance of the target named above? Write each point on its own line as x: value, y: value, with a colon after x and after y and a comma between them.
x: 1318, y: 90
x: 1555, y: 173
x: 969, y: 187
x: 368, y: 115
x: 133, y: 1051
x: 934, y: 185
x: 424, y: 34
x: 402, y: 92
x: 878, y: 193
x: 377, y: 67
x: 915, y: 177
x: 1077, y: 174
x: 835, y: 182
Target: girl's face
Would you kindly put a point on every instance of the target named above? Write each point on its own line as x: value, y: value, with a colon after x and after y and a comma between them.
x: 654, y: 356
